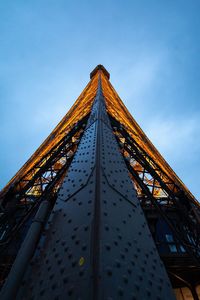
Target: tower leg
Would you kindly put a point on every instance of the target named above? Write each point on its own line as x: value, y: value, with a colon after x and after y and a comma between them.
x: 97, y: 244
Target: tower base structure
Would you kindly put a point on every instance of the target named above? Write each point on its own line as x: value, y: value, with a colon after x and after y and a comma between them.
x: 107, y: 225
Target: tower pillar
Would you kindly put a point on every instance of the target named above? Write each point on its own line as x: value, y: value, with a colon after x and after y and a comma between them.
x: 97, y: 244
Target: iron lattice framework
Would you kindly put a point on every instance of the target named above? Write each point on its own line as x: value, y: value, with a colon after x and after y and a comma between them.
x: 96, y: 211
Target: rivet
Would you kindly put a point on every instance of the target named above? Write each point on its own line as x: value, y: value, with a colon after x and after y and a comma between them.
x: 81, y: 261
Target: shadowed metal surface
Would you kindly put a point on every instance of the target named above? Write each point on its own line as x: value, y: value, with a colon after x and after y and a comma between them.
x: 97, y: 244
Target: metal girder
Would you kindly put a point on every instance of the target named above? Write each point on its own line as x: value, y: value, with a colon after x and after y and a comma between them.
x: 20, y: 204
x: 97, y: 244
x: 155, y: 188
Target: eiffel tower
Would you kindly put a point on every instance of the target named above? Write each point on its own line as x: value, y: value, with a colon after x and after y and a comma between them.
x: 97, y: 213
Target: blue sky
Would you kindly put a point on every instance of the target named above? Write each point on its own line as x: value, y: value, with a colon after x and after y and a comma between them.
x: 151, y: 48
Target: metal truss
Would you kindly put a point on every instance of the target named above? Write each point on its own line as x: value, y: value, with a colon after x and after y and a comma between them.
x: 97, y: 244
x: 155, y: 189
x: 41, y: 182
x: 95, y: 227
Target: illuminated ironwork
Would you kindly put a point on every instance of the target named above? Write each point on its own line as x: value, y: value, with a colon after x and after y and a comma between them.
x: 155, y: 187
x: 89, y: 140
x: 45, y: 178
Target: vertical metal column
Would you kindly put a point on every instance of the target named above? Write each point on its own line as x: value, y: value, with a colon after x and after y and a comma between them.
x: 97, y: 244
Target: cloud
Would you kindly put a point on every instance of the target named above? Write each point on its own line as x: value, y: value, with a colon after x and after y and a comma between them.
x: 174, y: 135
x: 144, y: 73
x: 178, y: 142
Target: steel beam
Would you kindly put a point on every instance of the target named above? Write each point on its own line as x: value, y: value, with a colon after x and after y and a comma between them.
x: 97, y: 244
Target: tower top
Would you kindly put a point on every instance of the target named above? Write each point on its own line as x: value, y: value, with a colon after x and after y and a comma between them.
x: 100, y: 67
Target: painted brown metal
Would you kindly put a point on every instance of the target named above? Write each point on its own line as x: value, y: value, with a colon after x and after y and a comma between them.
x: 79, y: 110
x: 117, y: 110
x: 97, y: 244
x: 103, y: 173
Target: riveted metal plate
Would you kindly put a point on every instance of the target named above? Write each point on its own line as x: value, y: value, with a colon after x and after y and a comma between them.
x: 114, y: 167
x: 97, y: 244
x: 129, y: 259
x: 63, y: 256
x: 82, y: 165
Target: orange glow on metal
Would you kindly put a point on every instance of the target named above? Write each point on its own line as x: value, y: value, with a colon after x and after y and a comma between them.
x: 80, y: 109
x: 118, y: 110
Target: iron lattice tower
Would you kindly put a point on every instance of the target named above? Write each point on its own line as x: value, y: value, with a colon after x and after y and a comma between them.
x: 97, y: 213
